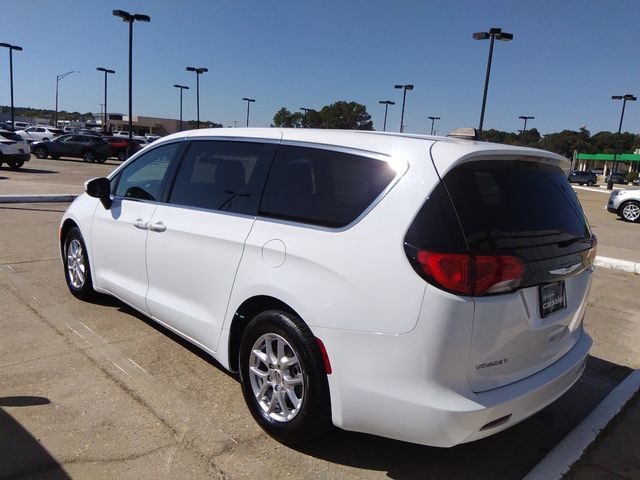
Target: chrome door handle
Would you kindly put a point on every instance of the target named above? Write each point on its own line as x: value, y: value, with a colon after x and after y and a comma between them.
x: 157, y: 227
x: 141, y: 224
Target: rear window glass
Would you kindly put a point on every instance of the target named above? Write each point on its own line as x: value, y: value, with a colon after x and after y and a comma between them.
x: 11, y: 136
x: 510, y: 205
x: 322, y: 187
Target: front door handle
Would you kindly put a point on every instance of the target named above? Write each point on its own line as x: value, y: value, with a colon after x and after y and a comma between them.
x: 157, y: 227
x: 141, y: 224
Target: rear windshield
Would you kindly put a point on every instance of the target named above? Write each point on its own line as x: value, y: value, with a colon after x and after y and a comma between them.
x: 516, y: 206
x: 11, y: 136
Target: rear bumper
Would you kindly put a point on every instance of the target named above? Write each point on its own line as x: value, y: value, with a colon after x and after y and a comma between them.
x: 382, y: 386
x: 15, y: 157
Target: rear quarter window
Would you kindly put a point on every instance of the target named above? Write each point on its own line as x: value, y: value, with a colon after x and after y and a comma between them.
x: 322, y: 187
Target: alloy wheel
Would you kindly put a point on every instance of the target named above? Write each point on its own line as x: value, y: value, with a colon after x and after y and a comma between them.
x: 76, y: 266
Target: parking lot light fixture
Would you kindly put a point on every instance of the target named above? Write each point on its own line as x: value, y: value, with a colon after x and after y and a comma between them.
x: 492, y: 34
x: 106, y: 71
x: 130, y: 18
x: 525, y: 118
x: 181, y: 87
x: 11, y: 49
x: 433, y: 119
x: 58, y: 78
x: 625, y: 98
x: 404, y: 98
x: 249, y: 102
x: 199, y: 71
x: 386, y: 104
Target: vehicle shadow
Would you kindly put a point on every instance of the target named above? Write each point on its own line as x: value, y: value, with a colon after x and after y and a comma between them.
x: 22, y: 455
x: 28, y: 170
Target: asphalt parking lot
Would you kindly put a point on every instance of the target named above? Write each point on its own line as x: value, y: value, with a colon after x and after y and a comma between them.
x: 94, y: 390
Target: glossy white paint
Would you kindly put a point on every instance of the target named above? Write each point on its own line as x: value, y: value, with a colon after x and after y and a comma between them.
x: 402, y: 351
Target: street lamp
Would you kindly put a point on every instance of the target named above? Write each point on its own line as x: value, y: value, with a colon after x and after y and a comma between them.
x: 58, y: 78
x: 11, y: 49
x: 625, y: 98
x: 386, y: 104
x: 130, y: 18
x: 199, y: 71
x: 106, y: 115
x: 404, y: 97
x: 249, y: 101
x: 525, y: 118
x: 181, y: 87
x: 433, y: 119
x: 492, y: 34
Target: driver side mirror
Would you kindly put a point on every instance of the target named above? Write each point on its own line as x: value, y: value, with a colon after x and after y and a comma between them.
x: 100, y: 188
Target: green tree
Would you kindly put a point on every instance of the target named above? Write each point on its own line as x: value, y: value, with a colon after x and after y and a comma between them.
x: 346, y: 115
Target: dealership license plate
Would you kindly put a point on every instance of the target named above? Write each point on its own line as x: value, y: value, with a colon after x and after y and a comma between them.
x: 552, y: 298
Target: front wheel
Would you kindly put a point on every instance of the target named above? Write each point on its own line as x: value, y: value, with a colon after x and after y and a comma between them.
x: 122, y: 155
x: 40, y: 153
x: 283, y: 379
x: 590, y: 183
x: 630, y: 211
x: 77, y: 271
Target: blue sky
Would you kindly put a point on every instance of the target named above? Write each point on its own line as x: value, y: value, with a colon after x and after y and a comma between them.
x: 566, y: 60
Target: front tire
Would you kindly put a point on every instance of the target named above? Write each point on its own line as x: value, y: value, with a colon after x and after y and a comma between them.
x: 283, y: 379
x: 77, y: 271
x: 630, y: 211
x: 40, y: 153
x: 15, y: 164
x: 590, y: 183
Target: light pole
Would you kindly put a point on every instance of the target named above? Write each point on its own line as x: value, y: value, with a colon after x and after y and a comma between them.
x: 58, y: 78
x: 625, y: 98
x: 181, y: 87
x: 492, y: 34
x: 525, y: 118
x: 433, y: 119
x: 130, y: 18
x: 386, y: 104
x: 11, y: 49
x: 105, y: 127
x: 404, y: 97
x: 249, y: 102
x: 199, y: 71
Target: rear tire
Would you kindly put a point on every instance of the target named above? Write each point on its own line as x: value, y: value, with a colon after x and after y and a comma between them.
x: 40, y: 153
x: 15, y: 164
x: 283, y: 379
x: 88, y: 157
x: 590, y: 183
x: 77, y: 271
x: 581, y: 183
x: 122, y: 155
x: 630, y: 211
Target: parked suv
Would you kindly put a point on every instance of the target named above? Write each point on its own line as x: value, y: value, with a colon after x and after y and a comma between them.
x: 618, y: 177
x: 426, y: 289
x: 14, y: 151
x: 582, y: 177
x: 88, y: 147
x: 625, y: 204
x: 39, y: 133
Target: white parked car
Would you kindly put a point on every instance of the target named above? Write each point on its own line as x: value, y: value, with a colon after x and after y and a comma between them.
x: 14, y: 151
x: 625, y: 204
x: 425, y: 289
x: 39, y: 133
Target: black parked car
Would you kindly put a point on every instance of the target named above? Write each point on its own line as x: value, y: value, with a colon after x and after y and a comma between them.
x: 581, y: 177
x: 618, y: 177
x: 89, y: 148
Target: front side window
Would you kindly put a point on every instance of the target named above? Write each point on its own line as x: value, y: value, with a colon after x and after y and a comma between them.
x: 145, y: 178
x: 323, y: 187
x: 223, y: 175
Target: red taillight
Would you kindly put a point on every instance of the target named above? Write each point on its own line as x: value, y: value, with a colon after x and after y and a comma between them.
x: 325, y: 356
x: 472, y: 274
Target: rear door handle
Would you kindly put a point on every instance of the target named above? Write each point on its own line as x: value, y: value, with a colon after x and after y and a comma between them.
x: 141, y: 224
x: 157, y: 227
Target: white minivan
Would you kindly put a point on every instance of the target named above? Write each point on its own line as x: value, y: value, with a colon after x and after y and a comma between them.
x: 426, y: 289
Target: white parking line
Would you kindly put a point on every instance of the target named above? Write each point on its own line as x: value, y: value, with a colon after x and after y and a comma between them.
x: 122, y: 369
x: 559, y: 460
x: 74, y: 331
x: 139, y: 367
x: 591, y: 189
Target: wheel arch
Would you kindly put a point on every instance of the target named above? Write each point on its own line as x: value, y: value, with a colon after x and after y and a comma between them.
x: 64, y: 230
x: 243, y: 315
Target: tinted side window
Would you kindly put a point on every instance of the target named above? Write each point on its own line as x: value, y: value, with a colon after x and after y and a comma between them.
x: 145, y: 178
x: 223, y: 175
x: 322, y: 187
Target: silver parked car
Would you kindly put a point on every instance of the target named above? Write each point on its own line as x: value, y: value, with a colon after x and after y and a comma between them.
x: 626, y: 204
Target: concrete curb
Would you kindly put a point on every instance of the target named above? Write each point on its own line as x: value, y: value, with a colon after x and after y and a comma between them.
x: 615, y: 264
x: 37, y: 198
x: 559, y: 460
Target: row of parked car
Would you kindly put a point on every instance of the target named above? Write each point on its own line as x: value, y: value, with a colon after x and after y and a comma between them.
x: 590, y: 178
